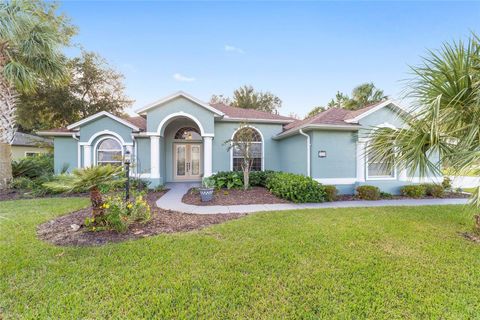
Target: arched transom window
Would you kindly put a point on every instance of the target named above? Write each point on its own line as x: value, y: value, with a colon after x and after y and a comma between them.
x: 255, y: 147
x: 109, y: 151
x: 188, y: 133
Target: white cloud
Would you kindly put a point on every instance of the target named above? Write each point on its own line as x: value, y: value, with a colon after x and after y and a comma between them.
x: 182, y: 78
x: 230, y: 48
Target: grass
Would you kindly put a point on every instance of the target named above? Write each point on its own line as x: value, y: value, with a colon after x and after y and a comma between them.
x: 406, y: 262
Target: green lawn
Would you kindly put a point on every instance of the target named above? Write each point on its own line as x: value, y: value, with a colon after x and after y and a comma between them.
x: 332, y: 263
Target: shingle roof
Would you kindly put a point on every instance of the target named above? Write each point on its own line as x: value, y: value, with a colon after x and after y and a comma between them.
x: 240, y: 113
x: 25, y: 139
x: 332, y: 116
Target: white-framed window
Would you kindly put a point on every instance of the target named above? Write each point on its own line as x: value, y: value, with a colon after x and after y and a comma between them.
x: 187, y: 133
x: 109, y: 151
x: 32, y: 153
x: 256, y: 149
x: 378, y: 170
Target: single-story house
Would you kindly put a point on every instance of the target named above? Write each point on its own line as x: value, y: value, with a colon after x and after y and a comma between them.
x: 180, y: 138
x: 28, y: 145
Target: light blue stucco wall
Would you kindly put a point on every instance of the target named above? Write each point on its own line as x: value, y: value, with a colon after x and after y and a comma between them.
x: 156, y: 115
x: 64, y: 153
x: 105, y: 123
x: 224, y: 131
x: 293, y: 154
x: 143, y: 154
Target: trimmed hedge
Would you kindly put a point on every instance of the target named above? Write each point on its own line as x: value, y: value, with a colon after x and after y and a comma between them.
x: 434, y: 190
x: 414, y: 191
x: 368, y: 192
x: 331, y: 193
x: 234, y: 179
x: 295, y: 187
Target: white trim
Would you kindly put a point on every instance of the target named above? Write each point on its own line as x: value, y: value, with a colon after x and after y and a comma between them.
x: 34, y: 152
x: 55, y: 133
x: 106, y: 132
x: 207, y: 156
x: 155, y: 157
x: 378, y: 178
x: 336, y: 180
x: 375, y: 109
x: 339, y: 127
x: 87, y: 156
x: 95, y: 148
x: 177, y: 95
x: 100, y: 114
x: 166, y: 120
x: 229, y: 119
x: 309, y: 152
x: 79, y: 150
x: 263, y: 146
x: 360, y: 161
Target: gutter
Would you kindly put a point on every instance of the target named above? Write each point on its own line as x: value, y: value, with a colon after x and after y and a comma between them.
x: 309, y: 147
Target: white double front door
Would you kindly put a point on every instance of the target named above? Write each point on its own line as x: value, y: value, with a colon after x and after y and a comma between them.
x: 187, y: 159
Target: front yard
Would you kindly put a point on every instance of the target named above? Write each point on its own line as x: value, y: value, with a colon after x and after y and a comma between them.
x: 334, y: 263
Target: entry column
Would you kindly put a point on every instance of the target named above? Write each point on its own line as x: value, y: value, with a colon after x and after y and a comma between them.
x: 154, y: 157
x: 207, y: 156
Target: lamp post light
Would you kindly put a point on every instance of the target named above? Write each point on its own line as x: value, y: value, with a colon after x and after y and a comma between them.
x: 127, y: 160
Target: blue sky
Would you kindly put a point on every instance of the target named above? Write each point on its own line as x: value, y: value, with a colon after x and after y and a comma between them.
x: 301, y: 51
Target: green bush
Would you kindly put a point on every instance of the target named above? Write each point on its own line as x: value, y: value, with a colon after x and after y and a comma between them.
x: 386, y: 195
x: 331, y: 193
x: 296, y: 188
x: 228, y: 179
x: 259, y: 178
x: 447, y: 183
x: 119, y: 215
x: 367, y: 192
x: 33, y: 167
x: 434, y: 190
x: 33, y: 187
x: 414, y: 191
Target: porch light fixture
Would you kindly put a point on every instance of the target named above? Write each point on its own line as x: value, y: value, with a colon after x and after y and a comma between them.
x: 322, y: 154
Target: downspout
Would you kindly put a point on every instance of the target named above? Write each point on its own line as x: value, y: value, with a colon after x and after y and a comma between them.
x: 74, y: 136
x: 308, y: 150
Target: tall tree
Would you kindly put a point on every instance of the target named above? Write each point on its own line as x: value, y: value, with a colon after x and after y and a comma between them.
x: 315, y: 111
x: 31, y: 37
x: 446, y: 94
x: 220, y: 98
x: 92, y: 86
x: 339, y: 100
x: 247, y: 97
x: 364, y: 95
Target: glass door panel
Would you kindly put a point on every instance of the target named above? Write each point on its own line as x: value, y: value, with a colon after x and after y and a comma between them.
x: 181, y: 160
x: 195, y: 160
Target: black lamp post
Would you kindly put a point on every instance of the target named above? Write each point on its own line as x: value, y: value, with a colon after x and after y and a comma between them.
x: 127, y: 160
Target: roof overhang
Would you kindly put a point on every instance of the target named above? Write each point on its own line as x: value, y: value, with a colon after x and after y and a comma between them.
x: 102, y: 114
x: 310, y: 127
x: 56, y: 133
x: 176, y: 95
x: 230, y: 119
x: 382, y: 105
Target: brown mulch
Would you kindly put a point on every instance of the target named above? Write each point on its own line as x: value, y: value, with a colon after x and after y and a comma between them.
x: 59, y: 232
x: 224, y: 197
x: 447, y: 195
x: 471, y: 237
x: 12, y: 194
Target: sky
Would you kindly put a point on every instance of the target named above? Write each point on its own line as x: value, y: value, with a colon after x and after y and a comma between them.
x: 303, y: 52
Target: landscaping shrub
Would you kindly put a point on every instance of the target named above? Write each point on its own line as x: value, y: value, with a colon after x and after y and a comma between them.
x: 367, y: 192
x: 296, y: 188
x: 434, y: 190
x: 386, y: 195
x: 414, y: 191
x: 119, y: 215
x: 447, y: 183
x: 331, y: 193
x: 228, y: 179
x: 33, y: 167
x: 32, y: 186
x: 259, y: 178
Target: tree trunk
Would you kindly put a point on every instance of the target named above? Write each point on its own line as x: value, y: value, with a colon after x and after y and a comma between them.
x: 5, y: 165
x: 246, y: 178
x: 477, y: 224
x: 97, y: 202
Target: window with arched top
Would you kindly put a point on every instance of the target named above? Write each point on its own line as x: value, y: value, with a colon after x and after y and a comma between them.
x: 255, y: 147
x: 188, y: 133
x: 109, y: 151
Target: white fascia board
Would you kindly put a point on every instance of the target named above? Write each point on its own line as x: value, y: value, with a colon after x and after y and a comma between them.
x: 319, y: 127
x: 54, y: 134
x: 101, y: 114
x: 177, y: 95
x: 336, y: 180
x: 229, y: 119
x: 380, y: 106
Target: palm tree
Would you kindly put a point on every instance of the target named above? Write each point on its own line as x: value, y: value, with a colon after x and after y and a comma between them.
x: 90, y: 179
x: 364, y: 95
x: 31, y: 35
x: 446, y: 94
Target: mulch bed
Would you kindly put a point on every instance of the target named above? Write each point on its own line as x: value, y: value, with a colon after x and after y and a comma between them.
x: 12, y: 194
x: 59, y: 231
x: 447, y: 195
x: 471, y: 237
x: 224, y: 197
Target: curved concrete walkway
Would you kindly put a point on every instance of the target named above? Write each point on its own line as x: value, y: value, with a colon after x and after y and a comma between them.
x: 172, y: 200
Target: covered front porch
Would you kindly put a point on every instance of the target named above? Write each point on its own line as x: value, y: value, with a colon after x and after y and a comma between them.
x: 180, y: 150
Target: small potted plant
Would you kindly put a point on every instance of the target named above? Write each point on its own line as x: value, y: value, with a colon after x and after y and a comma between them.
x: 206, y: 191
